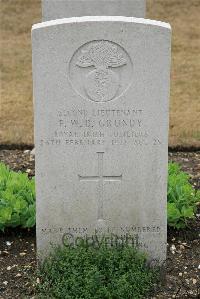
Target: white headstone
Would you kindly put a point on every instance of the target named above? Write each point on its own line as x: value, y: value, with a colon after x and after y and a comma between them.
x: 56, y: 9
x: 101, y: 90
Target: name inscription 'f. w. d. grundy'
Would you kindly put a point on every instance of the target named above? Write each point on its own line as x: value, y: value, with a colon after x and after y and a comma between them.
x: 100, y: 178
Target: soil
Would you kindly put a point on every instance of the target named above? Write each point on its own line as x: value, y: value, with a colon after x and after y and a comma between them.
x: 182, y: 269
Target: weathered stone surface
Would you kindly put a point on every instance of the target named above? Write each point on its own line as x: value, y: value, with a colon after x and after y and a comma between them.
x: 56, y: 9
x: 101, y: 90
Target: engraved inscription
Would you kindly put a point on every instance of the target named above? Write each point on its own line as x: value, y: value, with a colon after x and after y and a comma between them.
x: 100, y: 127
x: 100, y: 178
x: 100, y: 71
x: 145, y: 229
x: 123, y: 235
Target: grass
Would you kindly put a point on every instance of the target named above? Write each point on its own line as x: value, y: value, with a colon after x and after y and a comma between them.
x: 183, y: 16
x: 17, y: 16
x: 95, y: 273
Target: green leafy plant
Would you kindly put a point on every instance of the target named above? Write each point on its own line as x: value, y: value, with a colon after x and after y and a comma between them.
x: 95, y: 273
x: 181, y: 196
x: 17, y: 199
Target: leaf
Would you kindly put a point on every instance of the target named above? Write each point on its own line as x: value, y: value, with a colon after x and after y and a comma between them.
x: 197, y: 199
x: 181, y: 197
x: 187, y: 212
x: 30, y: 222
x: 17, y: 198
x: 2, y: 226
x: 180, y: 224
x: 172, y: 212
x: 5, y: 214
x: 32, y: 210
x: 14, y: 221
x: 19, y: 205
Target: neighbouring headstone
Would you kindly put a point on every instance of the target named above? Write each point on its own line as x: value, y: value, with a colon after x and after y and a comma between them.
x: 101, y: 90
x: 56, y: 9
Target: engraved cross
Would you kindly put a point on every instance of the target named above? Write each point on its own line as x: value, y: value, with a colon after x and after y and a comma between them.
x: 100, y: 178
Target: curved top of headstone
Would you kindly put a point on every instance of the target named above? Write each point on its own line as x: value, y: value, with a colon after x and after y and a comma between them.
x: 101, y: 19
x: 57, y: 9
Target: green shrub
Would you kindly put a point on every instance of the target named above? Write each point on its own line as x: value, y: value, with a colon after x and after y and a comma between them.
x: 95, y: 273
x: 181, y: 197
x: 17, y: 199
